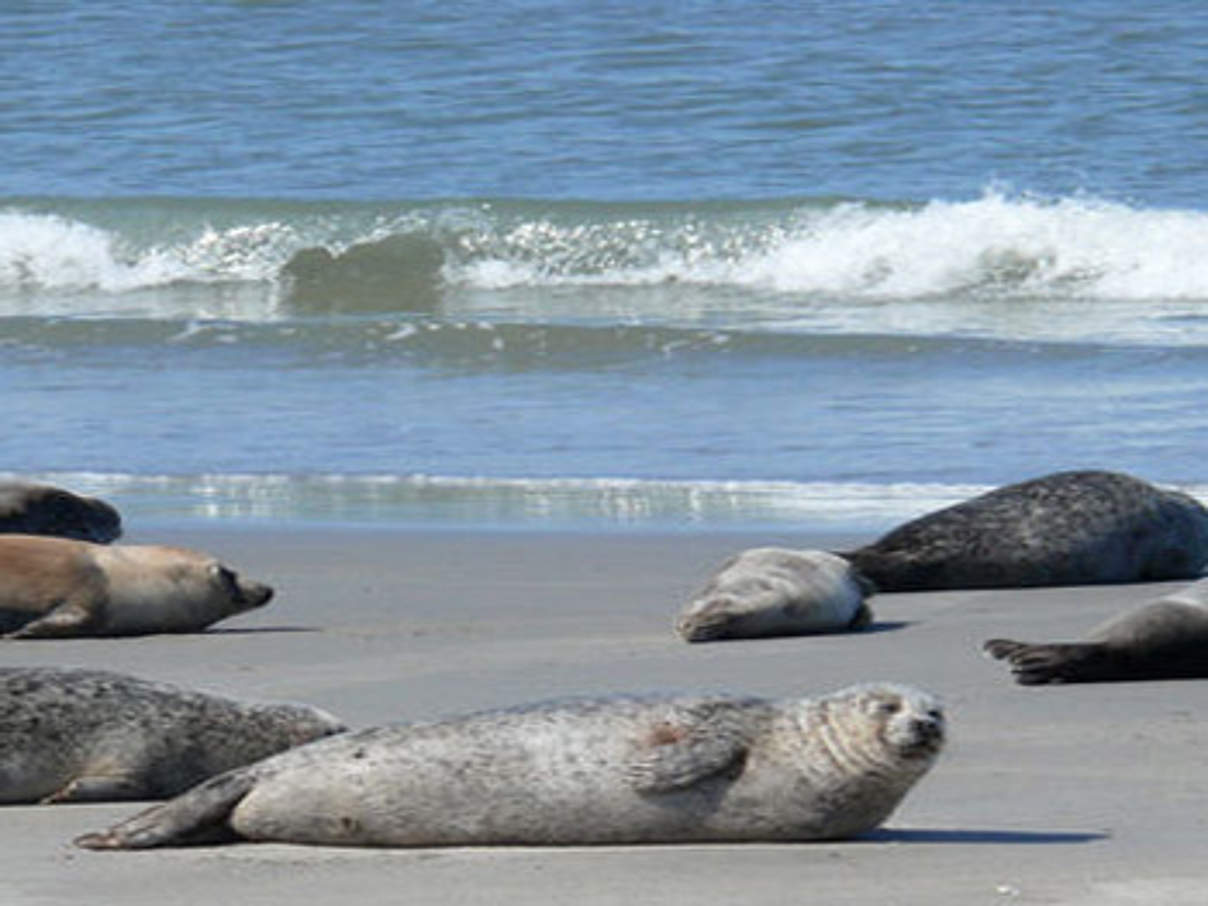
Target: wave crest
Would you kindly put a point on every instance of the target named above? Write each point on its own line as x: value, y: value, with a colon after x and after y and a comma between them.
x: 350, y: 258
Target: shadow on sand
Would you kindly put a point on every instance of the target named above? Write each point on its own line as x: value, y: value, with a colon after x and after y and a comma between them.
x: 926, y: 835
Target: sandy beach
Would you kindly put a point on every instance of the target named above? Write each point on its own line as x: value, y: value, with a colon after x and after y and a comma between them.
x: 1060, y: 795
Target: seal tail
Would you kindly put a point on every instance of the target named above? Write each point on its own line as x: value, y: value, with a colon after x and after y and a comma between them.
x: 195, y: 816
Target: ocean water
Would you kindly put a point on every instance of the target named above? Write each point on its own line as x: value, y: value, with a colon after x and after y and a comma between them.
x: 699, y: 264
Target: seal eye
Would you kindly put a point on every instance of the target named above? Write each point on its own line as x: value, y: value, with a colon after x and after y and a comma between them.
x: 226, y: 579
x: 889, y: 707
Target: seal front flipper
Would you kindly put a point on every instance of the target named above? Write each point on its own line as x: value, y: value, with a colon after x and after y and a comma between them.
x: 199, y: 815
x: 683, y: 749
x: 70, y: 618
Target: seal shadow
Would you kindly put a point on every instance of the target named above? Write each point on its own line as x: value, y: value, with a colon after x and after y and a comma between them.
x: 871, y: 628
x: 945, y: 835
x: 247, y: 630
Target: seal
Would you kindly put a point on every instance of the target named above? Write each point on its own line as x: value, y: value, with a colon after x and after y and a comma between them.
x: 90, y: 735
x: 58, y: 587
x: 768, y: 591
x: 1164, y: 639
x: 615, y: 770
x: 1068, y: 528
x: 41, y: 509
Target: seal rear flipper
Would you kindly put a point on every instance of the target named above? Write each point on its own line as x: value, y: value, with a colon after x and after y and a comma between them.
x: 999, y: 649
x: 100, y: 788
x: 196, y: 816
x: 1074, y: 662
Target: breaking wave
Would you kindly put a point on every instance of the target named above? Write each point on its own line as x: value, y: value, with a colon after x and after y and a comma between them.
x: 256, y: 260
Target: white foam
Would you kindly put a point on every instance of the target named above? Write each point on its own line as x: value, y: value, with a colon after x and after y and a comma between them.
x: 48, y: 263
x: 47, y: 252
x: 996, y: 244
x: 830, y: 506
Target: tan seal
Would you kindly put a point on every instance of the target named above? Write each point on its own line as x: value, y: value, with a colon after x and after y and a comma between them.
x: 1069, y: 528
x: 56, y: 587
x: 769, y: 591
x: 1164, y: 639
x: 29, y: 508
x: 615, y: 770
x: 89, y: 735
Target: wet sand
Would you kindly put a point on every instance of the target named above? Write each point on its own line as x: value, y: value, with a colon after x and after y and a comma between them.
x: 1090, y: 794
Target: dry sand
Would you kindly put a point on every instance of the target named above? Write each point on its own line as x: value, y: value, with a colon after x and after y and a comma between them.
x: 1087, y: 794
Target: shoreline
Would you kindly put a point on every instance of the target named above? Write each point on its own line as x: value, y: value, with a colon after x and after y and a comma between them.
x: 1069, y: 794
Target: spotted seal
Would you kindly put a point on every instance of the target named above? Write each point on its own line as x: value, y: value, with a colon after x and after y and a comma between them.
x: 29, y: 508
x: 90, y: 735
x: 614, y: 770
x: 1069, y: 528
x: 1164, y: 639
x: 57, y: 587
x: 768, y: 591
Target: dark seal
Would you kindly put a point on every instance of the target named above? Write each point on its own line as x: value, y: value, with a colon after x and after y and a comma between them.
x: 90, y: 735
x: 41, y: 509
x: 1069, y: 528
x: 1165, y: 639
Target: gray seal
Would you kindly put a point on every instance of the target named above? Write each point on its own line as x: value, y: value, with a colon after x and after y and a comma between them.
x: 770, y: 591
x: 1069, y: 528
x: 1164, y: 639
x: 90, y: 735
x: 616, y: 770
x: 57, y: 587
x: 29, y: 508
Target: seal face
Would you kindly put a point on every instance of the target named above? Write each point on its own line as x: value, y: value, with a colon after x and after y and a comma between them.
x: 41, y: 509
x: 89, y: 735
x: 770, y: 591
x: 1164, y: 639
x: 57, y: 587
x: 1069, y: 528
x: 616, y: 770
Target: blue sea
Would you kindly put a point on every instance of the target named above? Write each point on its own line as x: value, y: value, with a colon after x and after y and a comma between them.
x: 668, y: 265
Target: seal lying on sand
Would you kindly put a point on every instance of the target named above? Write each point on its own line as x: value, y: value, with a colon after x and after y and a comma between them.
x: 770, y: 591
x: 57, y: 587
x: 88, y: 735
x: 1166, y: 639
x: 1069, y: 528
x: 42, y: 509
x: 618, y: 770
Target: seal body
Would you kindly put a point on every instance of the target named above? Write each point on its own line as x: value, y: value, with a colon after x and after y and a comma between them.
x: 40, y: 509
x: 1164, y: 639
x: 617, y: 770
x: 768, y: 591
x: 1069, y: 528
x: 88, y: 735
x: 57, y: 587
